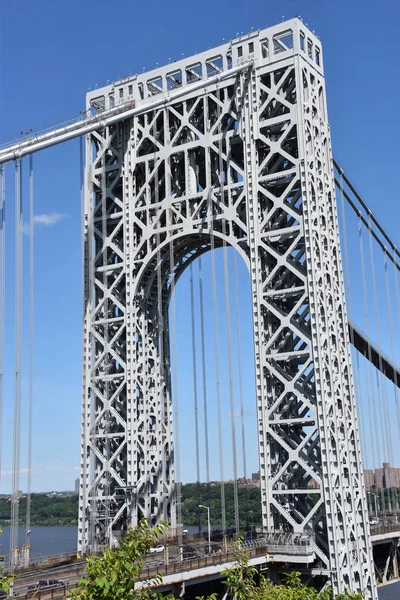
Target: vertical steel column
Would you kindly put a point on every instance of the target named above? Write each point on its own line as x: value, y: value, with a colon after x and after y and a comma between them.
x: 85, y: 149
x: 349, y: 546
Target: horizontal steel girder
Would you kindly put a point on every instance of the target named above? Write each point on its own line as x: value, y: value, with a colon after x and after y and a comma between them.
x: 374, y: 354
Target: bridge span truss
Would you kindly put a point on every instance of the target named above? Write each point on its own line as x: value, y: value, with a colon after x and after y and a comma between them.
x: 228, y: 147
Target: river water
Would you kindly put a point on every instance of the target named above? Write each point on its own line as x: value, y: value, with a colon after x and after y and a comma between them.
x: 46, y: 541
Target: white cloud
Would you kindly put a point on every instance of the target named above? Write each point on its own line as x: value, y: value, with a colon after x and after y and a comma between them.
x: 49, y: 219
x: 235, y: 413
x: 46, y: 219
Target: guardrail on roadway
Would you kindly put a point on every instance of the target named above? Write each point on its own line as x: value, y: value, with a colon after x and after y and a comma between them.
x: 385, y: 529
x: 274, y: 544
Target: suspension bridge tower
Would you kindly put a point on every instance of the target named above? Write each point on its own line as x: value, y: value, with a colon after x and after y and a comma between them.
x: 230, y: 146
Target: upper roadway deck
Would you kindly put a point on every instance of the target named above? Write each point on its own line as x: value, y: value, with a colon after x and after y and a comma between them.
x: 196, y: 570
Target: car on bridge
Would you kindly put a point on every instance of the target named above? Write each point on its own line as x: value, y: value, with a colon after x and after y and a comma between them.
x: 157, y: 549
x: 212, y: 548
x: 46, y: 584
x: 189, y: 552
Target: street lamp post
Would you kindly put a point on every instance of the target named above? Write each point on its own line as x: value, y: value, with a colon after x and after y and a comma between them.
x: 209, y: 526
x: 376, y: 509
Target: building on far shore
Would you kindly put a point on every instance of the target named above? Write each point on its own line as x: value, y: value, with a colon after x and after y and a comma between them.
x: 378, y: 479
x: 77, y: 485
x: 369, y: 479
x: 385, y: 477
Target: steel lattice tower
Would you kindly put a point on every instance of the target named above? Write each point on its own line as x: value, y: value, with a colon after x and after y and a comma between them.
x: 232, y: 145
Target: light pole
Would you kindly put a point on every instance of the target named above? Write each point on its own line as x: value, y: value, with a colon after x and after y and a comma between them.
x: 209, y: 526
x: 376, y: 509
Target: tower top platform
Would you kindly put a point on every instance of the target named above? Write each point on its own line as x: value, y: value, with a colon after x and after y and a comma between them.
x: 262, y: 46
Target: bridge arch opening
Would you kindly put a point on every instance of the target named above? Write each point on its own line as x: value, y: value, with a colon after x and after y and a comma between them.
x: 162, y: 293
x: 201, y: 382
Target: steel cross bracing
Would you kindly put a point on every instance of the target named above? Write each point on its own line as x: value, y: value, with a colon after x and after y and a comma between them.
x: 154, y: 182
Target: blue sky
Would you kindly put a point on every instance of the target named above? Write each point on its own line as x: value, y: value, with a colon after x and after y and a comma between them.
x: 52, y: 52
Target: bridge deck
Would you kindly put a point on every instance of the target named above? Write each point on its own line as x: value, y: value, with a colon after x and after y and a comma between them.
x: 189, y: 571
x: 374, y: 354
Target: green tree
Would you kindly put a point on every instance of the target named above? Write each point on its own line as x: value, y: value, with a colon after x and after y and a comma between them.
x: 112, y: 576
x: 5, y: 580
x: 246, y: 583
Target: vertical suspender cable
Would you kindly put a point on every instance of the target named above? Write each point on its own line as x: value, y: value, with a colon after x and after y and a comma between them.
x: 239, y: 359
x: 194, y: 359
x: 217, y: 375
x: 18, y: 361
x: 31, y: 298
x: 203, y: 363
x: 239, y: 348
x: 391, y: 324
x: 2, y: 298
x: 371, y: 389
x: 396, y: 283
x: 231, y: 392
x: 371, y: 404
x: 381, y: 380
x: 385, y: 416
x: 389, y: 307
x: 397, y: 310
